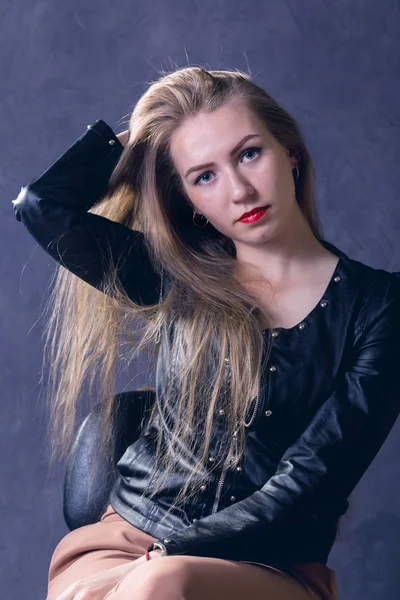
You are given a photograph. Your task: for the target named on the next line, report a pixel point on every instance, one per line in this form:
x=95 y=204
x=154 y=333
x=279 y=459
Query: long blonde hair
x=213 y=316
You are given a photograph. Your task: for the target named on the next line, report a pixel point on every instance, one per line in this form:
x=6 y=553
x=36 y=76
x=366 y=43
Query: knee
x=170 y=576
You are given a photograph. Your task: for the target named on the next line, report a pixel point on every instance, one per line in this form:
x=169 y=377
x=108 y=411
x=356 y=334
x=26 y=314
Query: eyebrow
x=235 y=149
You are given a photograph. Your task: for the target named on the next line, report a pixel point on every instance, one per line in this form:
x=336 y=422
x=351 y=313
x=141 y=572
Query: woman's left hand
x=99 y=584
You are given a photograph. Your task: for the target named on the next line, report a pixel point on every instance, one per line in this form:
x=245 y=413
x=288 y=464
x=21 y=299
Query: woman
x=276 y=379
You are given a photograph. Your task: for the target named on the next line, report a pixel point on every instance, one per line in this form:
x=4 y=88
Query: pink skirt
x=113 y=541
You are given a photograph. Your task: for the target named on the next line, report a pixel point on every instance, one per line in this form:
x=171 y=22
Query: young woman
x=276 y=381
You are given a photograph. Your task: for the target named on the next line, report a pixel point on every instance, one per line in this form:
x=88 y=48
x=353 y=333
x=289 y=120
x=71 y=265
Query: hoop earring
x=298 y=173
x=199 y=226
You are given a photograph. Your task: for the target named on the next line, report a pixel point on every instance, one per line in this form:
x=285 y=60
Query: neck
x=283 y=258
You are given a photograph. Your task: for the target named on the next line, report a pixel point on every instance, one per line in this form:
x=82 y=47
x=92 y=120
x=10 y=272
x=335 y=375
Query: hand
x=124 y=137
x=99 y=584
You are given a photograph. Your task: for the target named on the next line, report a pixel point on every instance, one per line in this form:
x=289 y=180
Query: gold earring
x=199 y=226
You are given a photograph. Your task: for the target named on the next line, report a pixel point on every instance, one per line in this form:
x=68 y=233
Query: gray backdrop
x=334 y=65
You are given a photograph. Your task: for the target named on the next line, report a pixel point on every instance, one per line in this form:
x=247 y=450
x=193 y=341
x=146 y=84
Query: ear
x=294 y=155
x=188 y=201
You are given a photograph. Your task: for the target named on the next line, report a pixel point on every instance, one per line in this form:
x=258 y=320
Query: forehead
x=205 y=136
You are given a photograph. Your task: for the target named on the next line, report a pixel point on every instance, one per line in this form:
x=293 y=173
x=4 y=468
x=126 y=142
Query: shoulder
x=368 y=294
x=380 y=298
x=382 y=287
x=371 y=282
x=374 y=294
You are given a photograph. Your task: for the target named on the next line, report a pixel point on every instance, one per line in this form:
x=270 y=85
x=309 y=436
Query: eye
x=252 y=149
x=258 y=150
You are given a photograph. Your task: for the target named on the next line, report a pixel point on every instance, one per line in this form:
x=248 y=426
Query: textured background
x=334 y=65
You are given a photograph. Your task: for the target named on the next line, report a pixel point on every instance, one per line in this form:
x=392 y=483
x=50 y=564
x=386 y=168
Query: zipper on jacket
x=221 y=481
x=219 y=490
x=253 y=416
x=158 y=334
x=223 y=474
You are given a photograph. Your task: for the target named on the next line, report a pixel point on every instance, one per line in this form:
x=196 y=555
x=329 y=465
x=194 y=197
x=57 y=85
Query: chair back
x=84 y=504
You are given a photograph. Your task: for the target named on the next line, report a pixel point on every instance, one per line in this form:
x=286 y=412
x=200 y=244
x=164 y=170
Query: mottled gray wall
x=334 y=65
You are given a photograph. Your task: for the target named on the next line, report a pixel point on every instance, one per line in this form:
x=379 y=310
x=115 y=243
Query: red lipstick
x=253 y=215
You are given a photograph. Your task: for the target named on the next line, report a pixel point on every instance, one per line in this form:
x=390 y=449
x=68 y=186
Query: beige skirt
x=113 y=541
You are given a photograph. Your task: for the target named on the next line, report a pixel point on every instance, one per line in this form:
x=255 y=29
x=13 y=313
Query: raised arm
x=53 y=208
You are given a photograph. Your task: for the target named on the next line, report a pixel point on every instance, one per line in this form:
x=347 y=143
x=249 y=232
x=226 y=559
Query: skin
x=237 y=184
x=123 y=137
x=281 y=245
x=99 y=584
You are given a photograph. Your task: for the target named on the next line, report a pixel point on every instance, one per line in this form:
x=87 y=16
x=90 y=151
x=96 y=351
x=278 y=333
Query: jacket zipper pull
x=235 y=445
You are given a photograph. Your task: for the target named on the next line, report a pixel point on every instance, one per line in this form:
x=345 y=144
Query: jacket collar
x=332 y=248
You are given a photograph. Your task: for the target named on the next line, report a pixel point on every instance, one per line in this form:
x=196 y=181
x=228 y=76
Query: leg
x=94 y=548
x=200 y=578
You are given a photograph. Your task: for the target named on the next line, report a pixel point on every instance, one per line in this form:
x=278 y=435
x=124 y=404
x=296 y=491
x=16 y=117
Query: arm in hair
x=328 y=459
x=53 y=208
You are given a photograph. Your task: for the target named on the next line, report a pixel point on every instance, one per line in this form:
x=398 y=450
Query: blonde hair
x=211 y=313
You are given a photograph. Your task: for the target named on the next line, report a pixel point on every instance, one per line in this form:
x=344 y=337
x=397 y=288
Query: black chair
x=84 y=505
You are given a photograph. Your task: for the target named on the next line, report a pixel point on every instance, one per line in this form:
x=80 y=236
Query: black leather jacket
x=326 y=404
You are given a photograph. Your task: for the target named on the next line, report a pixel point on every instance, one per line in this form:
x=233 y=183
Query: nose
x=241 y=188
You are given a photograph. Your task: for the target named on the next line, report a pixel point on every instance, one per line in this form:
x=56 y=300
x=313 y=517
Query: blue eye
x=200 y=177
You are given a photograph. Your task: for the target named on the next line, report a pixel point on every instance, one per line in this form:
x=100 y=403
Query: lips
x=252 y=212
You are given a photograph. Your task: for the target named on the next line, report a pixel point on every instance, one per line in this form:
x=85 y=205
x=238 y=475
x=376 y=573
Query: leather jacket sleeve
x=53 y=207
x=331 y=455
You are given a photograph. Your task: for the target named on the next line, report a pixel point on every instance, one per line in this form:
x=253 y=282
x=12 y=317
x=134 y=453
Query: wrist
x=159 y=546
x=123 y=137
x=154 y=554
